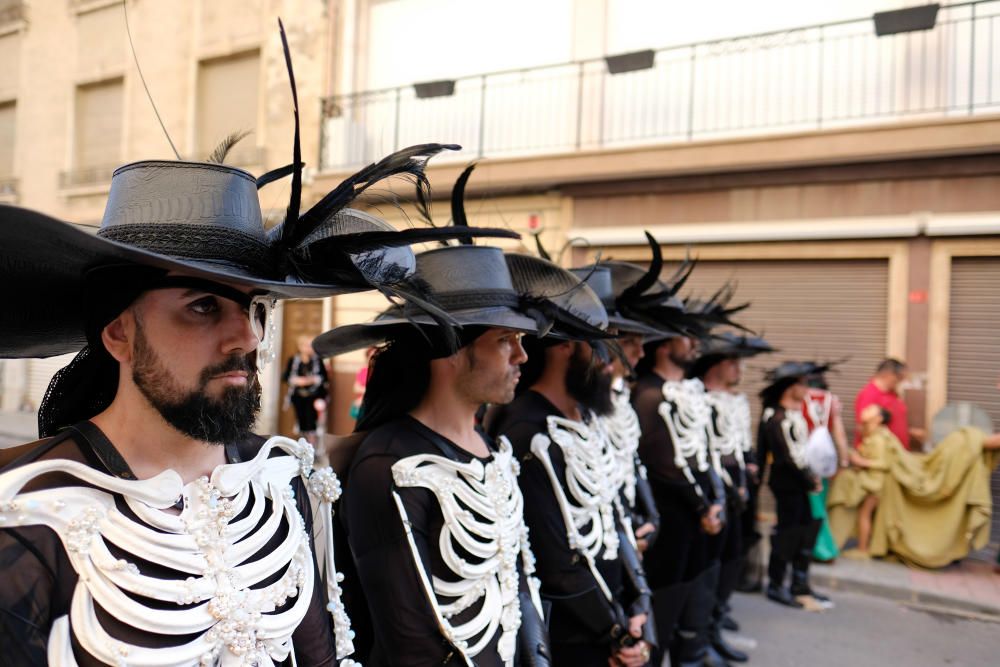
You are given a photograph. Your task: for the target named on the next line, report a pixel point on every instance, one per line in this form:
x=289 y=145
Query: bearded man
x=589 y=569
x=432 y=510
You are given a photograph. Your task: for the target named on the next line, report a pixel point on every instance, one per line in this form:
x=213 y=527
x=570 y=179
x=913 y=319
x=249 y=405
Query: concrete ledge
x=970 y=587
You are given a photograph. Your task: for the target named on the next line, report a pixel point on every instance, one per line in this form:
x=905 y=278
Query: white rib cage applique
x=483 y=518
x=236 y=624
x=622 y=428
x=687 y=416
x=725 y=437
x=588 y=502
x=796 y=431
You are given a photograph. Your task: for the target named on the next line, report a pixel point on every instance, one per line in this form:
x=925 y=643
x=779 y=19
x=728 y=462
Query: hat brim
x=44 y=260
x=624 y=325
x=351 y=337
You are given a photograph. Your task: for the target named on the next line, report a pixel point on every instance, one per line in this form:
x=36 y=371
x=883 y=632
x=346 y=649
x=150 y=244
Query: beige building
x=73 y=107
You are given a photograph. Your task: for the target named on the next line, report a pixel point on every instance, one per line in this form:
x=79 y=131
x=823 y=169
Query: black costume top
x=42 y=581
x=781 y=439
x=441 y=550
x=589 y=571
x=681 y=475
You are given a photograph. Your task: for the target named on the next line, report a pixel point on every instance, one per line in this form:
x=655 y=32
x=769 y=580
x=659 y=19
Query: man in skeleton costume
x=719 y=367
x=432 y=509
x=610 y=281
x=589 y=568
x=781 y=443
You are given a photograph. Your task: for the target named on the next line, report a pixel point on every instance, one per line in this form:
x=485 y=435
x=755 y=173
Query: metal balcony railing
x=11 y=11
x=86 y=176
x=804 y=79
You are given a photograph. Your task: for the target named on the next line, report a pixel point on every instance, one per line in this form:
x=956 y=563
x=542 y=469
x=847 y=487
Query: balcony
x=86 y=177
x=808 y=79
x=12 y=11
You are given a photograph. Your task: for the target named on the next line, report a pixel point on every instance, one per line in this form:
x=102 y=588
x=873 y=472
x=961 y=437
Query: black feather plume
x=651 y=276
x=409 y=161
x=276 y=174
x=290 y=228
x=542 y=252
x=458 y=218
x=218 y=156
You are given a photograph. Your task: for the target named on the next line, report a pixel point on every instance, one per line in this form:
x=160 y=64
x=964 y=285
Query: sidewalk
x=970 y=586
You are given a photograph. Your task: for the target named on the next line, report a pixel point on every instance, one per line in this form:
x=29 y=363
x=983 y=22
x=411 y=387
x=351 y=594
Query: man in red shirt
x=881 y=390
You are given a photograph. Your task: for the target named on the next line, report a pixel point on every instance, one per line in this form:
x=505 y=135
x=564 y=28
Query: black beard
x=681 y=362
x=194 y=413
x=587 y=384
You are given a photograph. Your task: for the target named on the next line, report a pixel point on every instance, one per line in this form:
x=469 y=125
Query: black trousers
x=793 y=535
x=305 y=413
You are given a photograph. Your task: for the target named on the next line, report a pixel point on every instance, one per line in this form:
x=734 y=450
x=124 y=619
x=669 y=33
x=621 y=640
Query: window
x=98 y=132
x=7 y=117
x=227 y=103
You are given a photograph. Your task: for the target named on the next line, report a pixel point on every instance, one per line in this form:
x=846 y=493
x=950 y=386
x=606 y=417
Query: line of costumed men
x=582 y=520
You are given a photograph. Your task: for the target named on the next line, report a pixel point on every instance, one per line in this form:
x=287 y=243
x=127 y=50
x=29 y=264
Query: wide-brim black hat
x=565 y=307
x=727 y=345
x=785 y=375
x=599 y=279
x=197 y=219
x=457 y=286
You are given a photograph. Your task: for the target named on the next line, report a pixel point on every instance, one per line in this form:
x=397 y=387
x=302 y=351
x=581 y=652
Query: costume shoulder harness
x=483 y=517
x=233 y=622
x=587 y=501
x=688 y=416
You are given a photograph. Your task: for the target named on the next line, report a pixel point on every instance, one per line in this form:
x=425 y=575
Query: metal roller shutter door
x=973 y=349
x=809 y=310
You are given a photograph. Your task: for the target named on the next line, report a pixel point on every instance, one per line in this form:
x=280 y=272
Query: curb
x=901 y=594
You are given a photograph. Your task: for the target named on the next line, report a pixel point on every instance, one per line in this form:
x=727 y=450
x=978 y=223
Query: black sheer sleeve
x=785 y=472
x=28 y=597
x=566 y=578
x=405 y=626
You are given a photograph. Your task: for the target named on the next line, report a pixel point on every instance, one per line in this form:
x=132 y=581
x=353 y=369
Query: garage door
x=973 y=348
x=810 y=310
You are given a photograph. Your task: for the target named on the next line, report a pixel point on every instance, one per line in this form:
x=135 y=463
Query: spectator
x=307 y=387
x=883 y=390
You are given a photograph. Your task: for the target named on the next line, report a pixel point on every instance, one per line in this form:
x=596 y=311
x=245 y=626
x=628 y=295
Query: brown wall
x=799 y=201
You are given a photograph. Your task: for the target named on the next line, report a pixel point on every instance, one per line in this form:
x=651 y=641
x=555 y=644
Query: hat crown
x=464 y=268
x=188 y=210
x=163 y=192
x=598 y=278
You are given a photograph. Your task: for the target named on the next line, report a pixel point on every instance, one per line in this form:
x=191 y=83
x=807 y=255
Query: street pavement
x=864 y=631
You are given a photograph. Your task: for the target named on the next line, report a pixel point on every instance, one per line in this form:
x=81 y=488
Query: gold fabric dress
x=935 y=508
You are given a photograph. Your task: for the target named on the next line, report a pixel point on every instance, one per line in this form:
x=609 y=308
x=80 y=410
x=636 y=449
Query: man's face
x=894 y=380
x=588 y=379
x=631 y=345
x=683 y=350
x=490 y=366
x=194 y=360
x=732 y=371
